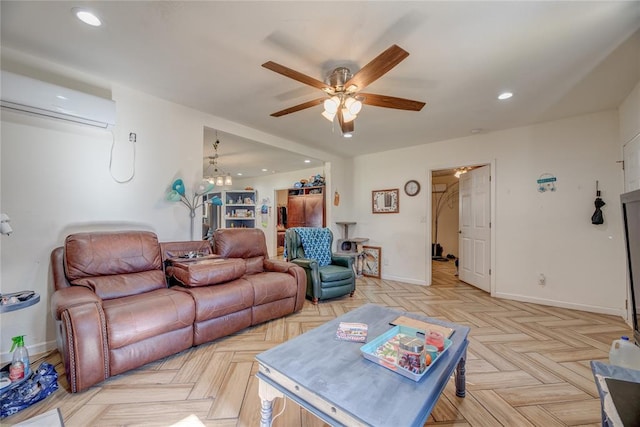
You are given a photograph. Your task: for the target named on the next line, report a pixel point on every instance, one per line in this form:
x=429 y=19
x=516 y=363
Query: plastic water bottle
x=624 y=353
x=20 y=364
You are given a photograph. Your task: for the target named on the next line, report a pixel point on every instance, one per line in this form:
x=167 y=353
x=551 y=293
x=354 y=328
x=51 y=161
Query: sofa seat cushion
x=220 y=300
x=332 y=273
x=207 y=272
x=272 y=286
x=138 y=317
x=122 y=285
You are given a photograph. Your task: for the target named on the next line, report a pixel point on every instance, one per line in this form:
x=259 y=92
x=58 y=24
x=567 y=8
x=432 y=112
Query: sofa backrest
x=114 y=264
x=247 y=243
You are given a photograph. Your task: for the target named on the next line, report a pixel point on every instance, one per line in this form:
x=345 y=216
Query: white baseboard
x=563 y=304
x=404 y=280
x=34 y=350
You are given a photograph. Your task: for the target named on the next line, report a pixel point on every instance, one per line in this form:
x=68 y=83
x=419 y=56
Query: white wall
x=629 y=113
x=548 y=233
x=55 y=180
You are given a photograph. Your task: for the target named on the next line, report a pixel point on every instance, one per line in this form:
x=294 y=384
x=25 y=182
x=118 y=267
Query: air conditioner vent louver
x=28 y=95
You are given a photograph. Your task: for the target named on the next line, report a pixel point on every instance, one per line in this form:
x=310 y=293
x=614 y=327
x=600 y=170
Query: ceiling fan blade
x=379 y=66
x=345 y=127
x=299 y=107
x=390 y=102
x=295 y=75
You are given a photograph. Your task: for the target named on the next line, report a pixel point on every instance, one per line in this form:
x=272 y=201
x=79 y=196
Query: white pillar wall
x=549 y=233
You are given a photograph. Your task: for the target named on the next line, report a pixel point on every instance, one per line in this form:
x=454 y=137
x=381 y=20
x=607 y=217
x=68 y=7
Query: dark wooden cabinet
x=306 y=207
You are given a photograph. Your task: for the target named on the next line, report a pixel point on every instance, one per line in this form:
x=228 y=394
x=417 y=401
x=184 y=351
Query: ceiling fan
x=342 y=88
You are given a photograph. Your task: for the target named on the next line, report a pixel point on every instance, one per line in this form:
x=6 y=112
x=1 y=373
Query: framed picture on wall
x=371 y=262
x=385 y=201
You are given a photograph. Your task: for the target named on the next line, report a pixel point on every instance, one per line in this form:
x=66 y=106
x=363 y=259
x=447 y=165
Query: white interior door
x=631 y=157
x=475 y=228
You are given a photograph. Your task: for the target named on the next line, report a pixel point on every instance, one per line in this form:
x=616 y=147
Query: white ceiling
x=559 y=58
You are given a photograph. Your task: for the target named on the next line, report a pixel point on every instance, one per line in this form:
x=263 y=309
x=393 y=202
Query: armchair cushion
x=333 y=273
x=316 y=243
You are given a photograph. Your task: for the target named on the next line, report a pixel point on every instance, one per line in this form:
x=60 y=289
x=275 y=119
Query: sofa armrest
x=82 y=336
x=294 y=270
x=306 y=263
x=277 y=265
x=72 y=296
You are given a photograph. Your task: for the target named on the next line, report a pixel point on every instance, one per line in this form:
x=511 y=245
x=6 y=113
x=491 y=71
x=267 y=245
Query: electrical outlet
x=542 y=280
x=132 y=137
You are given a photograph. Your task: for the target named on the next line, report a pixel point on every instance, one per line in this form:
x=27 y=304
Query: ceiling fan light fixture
x=353 y=105
x=331 y=105
x=347 y=116
x=328 y=116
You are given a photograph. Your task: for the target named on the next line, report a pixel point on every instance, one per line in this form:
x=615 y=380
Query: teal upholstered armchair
x=328 y=275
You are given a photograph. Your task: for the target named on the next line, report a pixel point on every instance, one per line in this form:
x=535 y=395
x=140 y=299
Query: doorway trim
x=494 y=225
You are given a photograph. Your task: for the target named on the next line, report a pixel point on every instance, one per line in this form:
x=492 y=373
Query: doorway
x=461 y=233
x=281 y=220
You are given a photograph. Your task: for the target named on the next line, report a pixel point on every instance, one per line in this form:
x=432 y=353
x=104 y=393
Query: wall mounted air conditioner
x=28 y=95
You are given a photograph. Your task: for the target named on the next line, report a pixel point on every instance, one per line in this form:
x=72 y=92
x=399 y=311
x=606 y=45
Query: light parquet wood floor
x=528 y=365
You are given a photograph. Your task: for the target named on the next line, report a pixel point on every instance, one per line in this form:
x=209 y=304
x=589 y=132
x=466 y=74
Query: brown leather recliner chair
x=113 y=309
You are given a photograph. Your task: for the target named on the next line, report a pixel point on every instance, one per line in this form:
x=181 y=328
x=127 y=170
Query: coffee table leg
x=267 y=394
x=460 y=376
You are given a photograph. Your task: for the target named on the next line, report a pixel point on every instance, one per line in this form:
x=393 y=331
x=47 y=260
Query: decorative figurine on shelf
x=317 y=181
x=178 y=194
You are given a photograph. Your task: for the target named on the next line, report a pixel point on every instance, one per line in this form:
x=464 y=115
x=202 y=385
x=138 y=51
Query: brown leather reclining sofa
x=117 y=308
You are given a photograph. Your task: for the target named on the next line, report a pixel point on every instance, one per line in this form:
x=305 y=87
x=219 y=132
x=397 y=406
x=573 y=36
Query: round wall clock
x=412 y=187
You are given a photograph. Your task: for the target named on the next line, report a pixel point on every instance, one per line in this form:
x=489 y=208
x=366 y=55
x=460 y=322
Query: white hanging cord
x=133 y=166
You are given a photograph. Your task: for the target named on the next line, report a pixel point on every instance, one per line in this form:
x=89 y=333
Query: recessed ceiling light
x=307 y=161
x=87 y=17
x=476 y=130
x=347 y=135
x=505 y=95
x=239 y=174
x=264 y=169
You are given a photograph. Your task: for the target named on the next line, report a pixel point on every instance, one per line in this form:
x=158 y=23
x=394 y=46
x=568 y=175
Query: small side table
x=5 y=308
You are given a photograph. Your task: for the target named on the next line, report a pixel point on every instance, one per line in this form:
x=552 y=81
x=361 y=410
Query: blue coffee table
x=331 y=379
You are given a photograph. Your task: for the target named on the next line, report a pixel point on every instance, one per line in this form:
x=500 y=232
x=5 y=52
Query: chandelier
x=219 y=177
